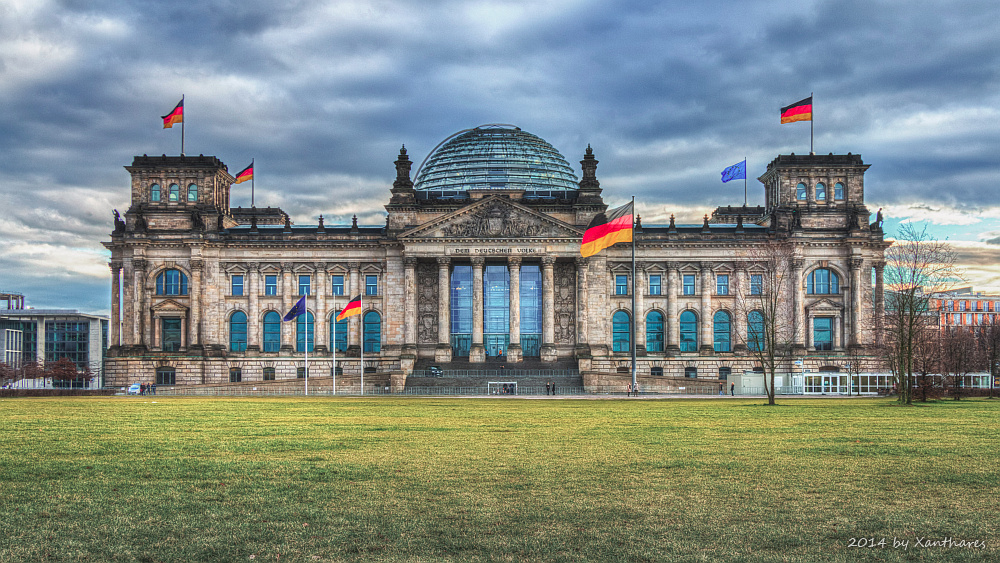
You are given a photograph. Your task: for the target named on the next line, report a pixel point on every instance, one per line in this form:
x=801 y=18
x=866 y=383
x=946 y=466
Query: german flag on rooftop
x=801 y=110
x=175 y=116
x=607 y=229
x=245 y=175
x=351 y=309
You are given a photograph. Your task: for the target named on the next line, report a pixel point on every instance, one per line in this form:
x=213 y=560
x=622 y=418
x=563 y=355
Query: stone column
x=879 y=313
x=514 y=352
x=194 y=322
x=354 y=322
x=638 y=316
x=287 y=328
x=837 y=324
x=410 y=303
x=116 y=270
x=548 y=309
x=129 y=330
x=140 y=318
x=673 y=330
x=742 y=303
x=477 y=353
x=798 y=320
x=582 y=302
x=810 y=323
x=707 y=287
x=442 y=352
x=253 y=312
x=853 y=319
x=321 y=326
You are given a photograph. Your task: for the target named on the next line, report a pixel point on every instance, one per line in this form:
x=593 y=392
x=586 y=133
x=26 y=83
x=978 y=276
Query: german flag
x=351 y=309
x=175 y=116
x=246 y=174
x=608 y=229
x=801 y=110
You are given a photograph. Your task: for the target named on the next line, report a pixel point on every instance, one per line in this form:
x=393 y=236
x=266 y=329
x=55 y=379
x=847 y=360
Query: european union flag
x=737 y=171
x=297 y=309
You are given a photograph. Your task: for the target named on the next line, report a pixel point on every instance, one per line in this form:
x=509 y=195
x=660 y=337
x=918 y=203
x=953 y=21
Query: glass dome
x=495 y=157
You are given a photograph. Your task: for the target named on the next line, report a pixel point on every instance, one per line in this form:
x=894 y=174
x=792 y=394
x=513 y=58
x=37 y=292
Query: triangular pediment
x=494 y=218
x=169 y=305
x=824 y=305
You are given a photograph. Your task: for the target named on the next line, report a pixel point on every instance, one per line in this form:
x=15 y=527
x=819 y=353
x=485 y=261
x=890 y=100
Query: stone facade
x=188 y=270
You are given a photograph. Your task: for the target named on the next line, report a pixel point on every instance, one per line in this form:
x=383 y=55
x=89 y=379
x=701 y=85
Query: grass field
x=413 y=479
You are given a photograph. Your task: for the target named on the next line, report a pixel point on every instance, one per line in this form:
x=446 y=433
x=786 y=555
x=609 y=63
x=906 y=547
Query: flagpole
x=251 y=181
x=183 y=120
x=635 y=288
x=306 y=313
x=744 y=182
x=334 y=373
x=812 y=119
x=361 y=302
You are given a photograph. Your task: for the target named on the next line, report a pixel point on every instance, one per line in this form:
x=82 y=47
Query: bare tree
x=764 y=302
x=989 y=341
x=958 y=358
x=917 y=270
x=8 y=374
x=927 y=361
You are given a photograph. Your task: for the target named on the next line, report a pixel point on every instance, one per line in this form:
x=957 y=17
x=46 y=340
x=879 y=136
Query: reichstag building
x=478 y=265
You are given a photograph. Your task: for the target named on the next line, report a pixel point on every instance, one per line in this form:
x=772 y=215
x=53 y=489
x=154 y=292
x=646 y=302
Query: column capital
x=286 y=267
x=855 y=263
x=320 y=266
x=196 y=264
x=444 y=260
x=253 y=267
x=354 y=265
x=115 y=265
x=410 y=261
x=797 y=263
x=879 y=266
x=139 y=263
x=706 y=266
x=582 y=261
x=548 y=261
x=477 y=260
x=673 y=266
x=514 y=261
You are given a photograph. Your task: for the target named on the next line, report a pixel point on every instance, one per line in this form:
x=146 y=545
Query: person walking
x=732 y=389
x=547 y=387
x=722 y=389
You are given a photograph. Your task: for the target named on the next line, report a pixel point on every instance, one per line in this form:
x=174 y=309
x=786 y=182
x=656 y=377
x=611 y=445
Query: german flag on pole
x=801 y=110
x=175 y=116
x=607 y=229
x=351 y=309
x=246 y=174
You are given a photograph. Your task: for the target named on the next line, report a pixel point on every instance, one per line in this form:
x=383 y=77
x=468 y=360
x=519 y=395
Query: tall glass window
x=800 y=192
x=621 y=329
x=373 y=332
x=654 y=332
x=654 y=284
x=371 y=285
x=531 y=310
x=722 y=284
x=268 y=374
x=821 y=191
x=621 y=285
x=192 y=192
x=166 y=376
x=304 y=285
x=722 y=324
x=755 y=331
x=235 y=375
x=237 y=285
x=338 y=334
x=689 y=331
x=688 y=284
x=337 y=285
x=822 y=281
x=838 y=191
x=302 y=324
x=238 y=332
x=154 y=192
x=170 y=335
x=270 y=284
x=175 y=192
x=68 y=339
x=272 y=332
x=171 y=282
x=756 y=284
x=496 y=309
x=461 y=310
x=823 y=333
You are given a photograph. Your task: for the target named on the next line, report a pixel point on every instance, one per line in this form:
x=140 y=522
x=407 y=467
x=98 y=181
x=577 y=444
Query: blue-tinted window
x=371 y=285
x=170 y=335
x=338 y=334
x=337 y=285
x=722 y=284
x=272 y=332
x=154 y=192
x=820 y=191
x=270 y=285
x=654 y=284
x=800 y=192
x=238 y=332
x=531 y=310
x=461 y=310
x=654 y=332
x=237 y=284
x=192 y=192
x=496 y=299
x=305 y=283
x=303 y=325
x=756 y=284
x=688 y=284
x=171 y=282
x=838 y=191
x=175 y=192
x=721 y=332
x=621 y=285
x=67 y=339
x=822 y=282
x=373 y=332
x=823 y=333
x=689 y=332
x=755 y=332
x=621 y=329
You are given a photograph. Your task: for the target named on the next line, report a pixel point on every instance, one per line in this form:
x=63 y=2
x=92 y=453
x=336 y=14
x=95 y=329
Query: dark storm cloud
x=323 y=94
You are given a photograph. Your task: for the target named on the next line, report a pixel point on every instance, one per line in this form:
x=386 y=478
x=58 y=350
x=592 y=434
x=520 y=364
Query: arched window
x=654 y=332
x=689 y=331
x=238 y=332
x=373 y=332
x=820 y=191
x=338 y=334
x=800 y=192
x=171 y=282
x=838 y=191
x=303 y=326
x=272 y=332
x=721 y=326
x=154 y=192
x=621 y=329
x=822 y=281
x=192 y=192
x=755 y=331
x=175 y=192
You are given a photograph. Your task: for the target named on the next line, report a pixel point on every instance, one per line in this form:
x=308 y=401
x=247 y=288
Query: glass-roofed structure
x=495 y=157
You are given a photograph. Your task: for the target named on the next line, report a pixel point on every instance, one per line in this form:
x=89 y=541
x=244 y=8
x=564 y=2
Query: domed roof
x=495 y=157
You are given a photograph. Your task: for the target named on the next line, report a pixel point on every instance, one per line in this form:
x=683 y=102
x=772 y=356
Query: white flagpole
x=334 y=373
x=306 y=343
x=361 y=301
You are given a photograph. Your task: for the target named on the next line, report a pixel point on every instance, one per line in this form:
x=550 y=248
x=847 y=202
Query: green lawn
x=414 y=479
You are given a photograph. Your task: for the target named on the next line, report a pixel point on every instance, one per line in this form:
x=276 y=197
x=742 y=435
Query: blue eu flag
x=297 y=309
x=737 y=171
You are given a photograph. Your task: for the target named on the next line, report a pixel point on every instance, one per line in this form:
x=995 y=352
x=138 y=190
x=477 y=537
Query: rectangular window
x=271 y=285
x=688 y=284
x=823 y=333
x=371 y=285
x=268 y=374
x=655 y=371
x=621 y=285
x=304 y=283
x=756 y=284
x=722 y=284
x=235 y=375
x=654 y=285
x=166 y=376
x=337 y=285
x=300 y=373
x=170 y=335
x=961 y=305
x=237 y=285
x=691 y=372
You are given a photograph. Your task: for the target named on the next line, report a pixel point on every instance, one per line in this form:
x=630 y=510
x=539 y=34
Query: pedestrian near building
x=732 y=389
x=547 y=385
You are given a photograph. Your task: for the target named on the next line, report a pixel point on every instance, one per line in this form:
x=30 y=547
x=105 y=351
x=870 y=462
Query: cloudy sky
x=323 y=93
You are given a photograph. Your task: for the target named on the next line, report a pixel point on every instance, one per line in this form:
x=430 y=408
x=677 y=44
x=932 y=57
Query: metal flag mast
x=634 y=289
x=812 y=119
x=744 y=181
x=251 y=181
x=306 y=343
x=361 y=302
x=183 y=120
x=333 y=374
